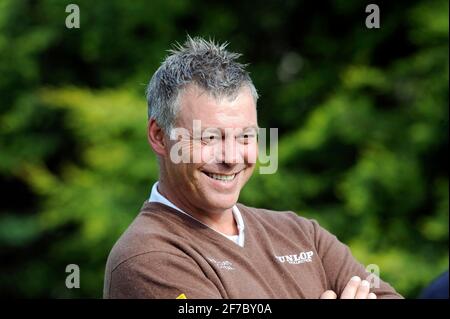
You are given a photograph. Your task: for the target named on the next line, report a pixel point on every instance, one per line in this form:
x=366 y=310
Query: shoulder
x=283 y=220
x=153 y=232
x=273 y=215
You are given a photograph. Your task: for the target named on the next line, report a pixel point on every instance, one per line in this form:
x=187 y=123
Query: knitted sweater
x=165 y=253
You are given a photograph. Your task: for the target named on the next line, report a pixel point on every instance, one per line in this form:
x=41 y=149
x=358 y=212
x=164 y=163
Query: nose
x=230 y=153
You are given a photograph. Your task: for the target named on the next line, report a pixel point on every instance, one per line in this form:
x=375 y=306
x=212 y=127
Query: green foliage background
x=362 y=117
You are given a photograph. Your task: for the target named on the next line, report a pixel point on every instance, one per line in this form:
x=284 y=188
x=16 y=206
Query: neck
x=221 y=221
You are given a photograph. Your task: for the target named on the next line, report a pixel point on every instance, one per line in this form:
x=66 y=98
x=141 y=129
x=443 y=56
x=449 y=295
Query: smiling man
x=192 y=239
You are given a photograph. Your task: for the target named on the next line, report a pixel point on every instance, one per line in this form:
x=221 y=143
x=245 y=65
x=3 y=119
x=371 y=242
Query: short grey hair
x=202 y=62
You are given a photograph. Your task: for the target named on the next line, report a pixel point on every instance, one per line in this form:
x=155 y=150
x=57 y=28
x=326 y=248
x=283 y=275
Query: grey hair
x=204 y=63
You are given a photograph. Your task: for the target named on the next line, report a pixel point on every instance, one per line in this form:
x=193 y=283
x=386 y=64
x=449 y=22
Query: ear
x=155 y=136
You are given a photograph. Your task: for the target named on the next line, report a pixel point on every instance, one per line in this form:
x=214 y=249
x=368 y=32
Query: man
x=192 y=239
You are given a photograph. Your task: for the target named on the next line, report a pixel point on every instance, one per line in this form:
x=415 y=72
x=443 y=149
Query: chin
x=222 y=201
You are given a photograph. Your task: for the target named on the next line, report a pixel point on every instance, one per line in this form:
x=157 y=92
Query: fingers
x=360 y=292
x=363 y=290
x=329 y=294
x=357 y=289
x=351 y=289
x=372 y=296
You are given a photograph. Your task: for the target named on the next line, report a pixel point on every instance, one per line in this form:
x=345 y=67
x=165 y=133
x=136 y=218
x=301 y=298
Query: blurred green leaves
x=362 y=116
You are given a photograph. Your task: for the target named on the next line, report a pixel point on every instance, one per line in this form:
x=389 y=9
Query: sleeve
x=160 y=275
x=340 y=265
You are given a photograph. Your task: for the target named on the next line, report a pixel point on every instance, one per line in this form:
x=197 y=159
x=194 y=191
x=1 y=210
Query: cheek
x=188 y=176
x=199 y=153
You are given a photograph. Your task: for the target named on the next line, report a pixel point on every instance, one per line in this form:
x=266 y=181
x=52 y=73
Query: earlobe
x=155 y=136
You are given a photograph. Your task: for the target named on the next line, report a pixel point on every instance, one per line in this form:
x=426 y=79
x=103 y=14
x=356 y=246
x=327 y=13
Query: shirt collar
x=156 y=196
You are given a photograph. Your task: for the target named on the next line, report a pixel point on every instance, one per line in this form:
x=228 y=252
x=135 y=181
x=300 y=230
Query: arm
x=160 y=275
x=340 y=266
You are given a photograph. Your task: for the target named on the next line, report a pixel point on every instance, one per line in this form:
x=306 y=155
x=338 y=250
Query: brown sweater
x=165 y=253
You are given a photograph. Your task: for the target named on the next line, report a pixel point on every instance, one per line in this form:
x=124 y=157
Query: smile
x=220 y=177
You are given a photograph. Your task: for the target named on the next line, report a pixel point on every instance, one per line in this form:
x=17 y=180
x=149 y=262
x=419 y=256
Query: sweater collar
x=156 y=196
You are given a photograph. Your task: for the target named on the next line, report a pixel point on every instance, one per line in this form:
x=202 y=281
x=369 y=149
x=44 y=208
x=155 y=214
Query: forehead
x=237 y=111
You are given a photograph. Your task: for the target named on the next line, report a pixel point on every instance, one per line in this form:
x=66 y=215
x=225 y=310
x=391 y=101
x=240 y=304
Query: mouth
x=224 y=178
x=221 y=177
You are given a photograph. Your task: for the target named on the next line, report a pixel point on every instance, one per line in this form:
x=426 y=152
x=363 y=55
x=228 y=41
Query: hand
x=355 y=289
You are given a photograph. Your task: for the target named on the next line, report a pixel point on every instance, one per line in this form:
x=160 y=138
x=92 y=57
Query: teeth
x=219 y=177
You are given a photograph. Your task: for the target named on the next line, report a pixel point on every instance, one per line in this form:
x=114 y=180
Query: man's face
x=220 y=142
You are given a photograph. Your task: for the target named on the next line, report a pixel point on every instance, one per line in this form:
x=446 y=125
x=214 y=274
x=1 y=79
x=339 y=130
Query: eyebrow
x=255 y=127
x=222 y=130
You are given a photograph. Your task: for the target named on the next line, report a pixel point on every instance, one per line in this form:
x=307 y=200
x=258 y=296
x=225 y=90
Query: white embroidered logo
x=303 y=257
x=227 y=265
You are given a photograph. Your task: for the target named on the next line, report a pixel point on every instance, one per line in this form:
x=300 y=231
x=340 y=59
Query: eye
x=246 y=138
x=210 y=138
